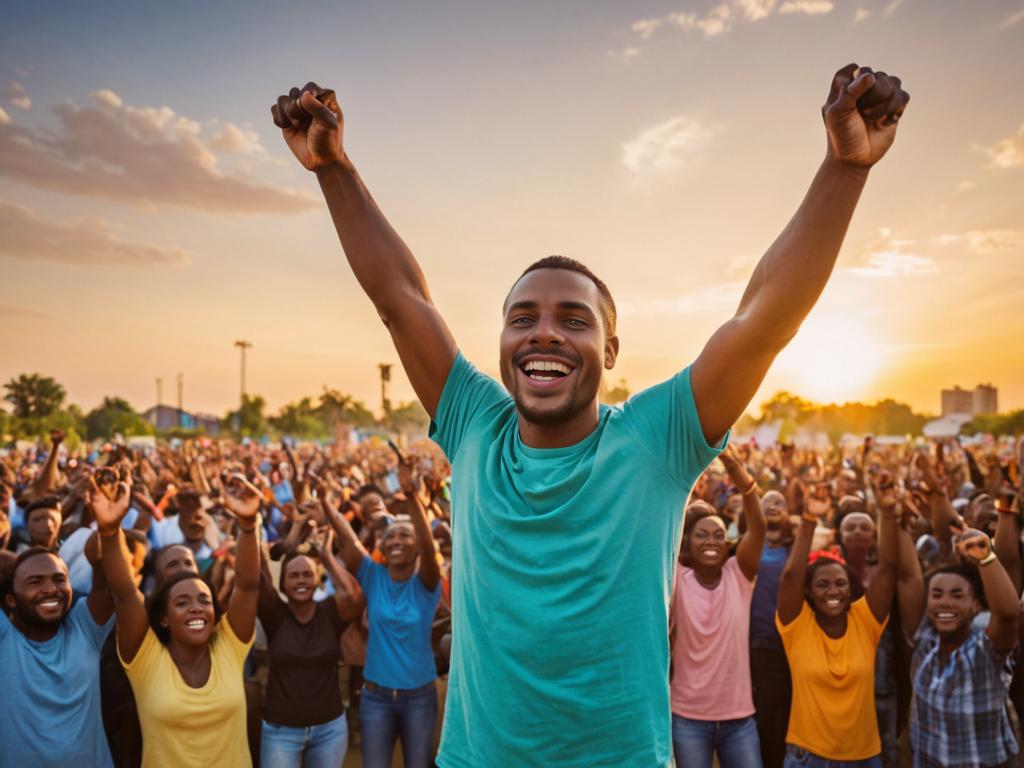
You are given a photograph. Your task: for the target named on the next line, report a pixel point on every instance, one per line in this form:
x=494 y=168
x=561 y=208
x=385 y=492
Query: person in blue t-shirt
x=50 y=653
x=399 y=696
x=566 y=514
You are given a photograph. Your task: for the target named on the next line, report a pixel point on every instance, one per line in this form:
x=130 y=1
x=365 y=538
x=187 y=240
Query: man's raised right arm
x=313 y=126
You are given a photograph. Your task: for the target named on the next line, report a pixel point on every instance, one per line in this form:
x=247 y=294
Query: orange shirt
x=833 y=710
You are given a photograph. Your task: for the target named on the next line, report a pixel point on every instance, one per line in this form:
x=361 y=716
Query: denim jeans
x=409 y=715
x=316 y=746
x=796 y=757
x=695 y=741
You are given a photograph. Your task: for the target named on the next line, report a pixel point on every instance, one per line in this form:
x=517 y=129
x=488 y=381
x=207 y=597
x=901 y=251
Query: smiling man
x=561 y=580
x=50 y=656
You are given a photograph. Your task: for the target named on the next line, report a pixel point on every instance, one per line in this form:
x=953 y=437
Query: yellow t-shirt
x=192 y=726
x=833 y=710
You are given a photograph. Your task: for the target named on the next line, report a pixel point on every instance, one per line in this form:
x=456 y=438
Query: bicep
x=132 y=624
x=727 y=374
x=880 y=592
x=425 y=346
x=241 y=612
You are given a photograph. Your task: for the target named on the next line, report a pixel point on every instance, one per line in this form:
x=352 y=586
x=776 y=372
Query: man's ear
x=611 y=352
x=9 y=600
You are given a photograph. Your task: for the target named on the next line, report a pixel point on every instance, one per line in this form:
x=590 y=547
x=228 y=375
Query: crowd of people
x=217 y=603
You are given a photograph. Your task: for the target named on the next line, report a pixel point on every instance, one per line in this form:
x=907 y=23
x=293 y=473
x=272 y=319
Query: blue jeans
x=736 y=742
x=316 y=746
x=406 y=714
x=797 y=757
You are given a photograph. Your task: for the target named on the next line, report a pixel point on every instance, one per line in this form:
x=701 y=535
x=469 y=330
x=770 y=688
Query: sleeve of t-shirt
x=146 y=658
x=467 y=395
x=744 y=585
x=95 y=633
x=861 y=611
x=238 y=648
x=790 y=632
x=666 y=421
x=365 y=574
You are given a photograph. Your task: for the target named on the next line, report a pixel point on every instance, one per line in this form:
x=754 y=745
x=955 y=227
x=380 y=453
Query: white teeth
x=710 y=552
x=832 y=603
x=50 y=603
x=196 y=624
x=945 y=615
x=547 y=365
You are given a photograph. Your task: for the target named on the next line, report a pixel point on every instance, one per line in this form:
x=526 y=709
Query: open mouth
x=709 y=552
x=945 y=616
x=546 y=373
x=833 y=603
x=302 y=590
x=196 y=625
x=396 y=551
x=50 y=604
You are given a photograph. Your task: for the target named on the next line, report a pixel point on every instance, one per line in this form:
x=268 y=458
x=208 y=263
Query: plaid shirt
x=958 y=718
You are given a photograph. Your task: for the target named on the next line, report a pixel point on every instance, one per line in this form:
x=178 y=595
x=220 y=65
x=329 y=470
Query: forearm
x=793 y=272
x=352 y=550
x=430 y=572
x=909 y=583
x=380 y=260
x=1006 y=545
x=50 y=476
x=117 y=565
x=791 y=583
x=247 y=556
x=1000 y=593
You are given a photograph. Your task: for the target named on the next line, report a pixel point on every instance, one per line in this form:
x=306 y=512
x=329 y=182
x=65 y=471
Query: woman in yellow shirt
x=830 y=642
x=183 y=660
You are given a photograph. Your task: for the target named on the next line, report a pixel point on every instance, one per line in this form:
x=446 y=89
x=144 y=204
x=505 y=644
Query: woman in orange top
x=830 y=642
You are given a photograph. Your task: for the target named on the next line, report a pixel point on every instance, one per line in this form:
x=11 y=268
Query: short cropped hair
x=45 y=502
x=608 y=312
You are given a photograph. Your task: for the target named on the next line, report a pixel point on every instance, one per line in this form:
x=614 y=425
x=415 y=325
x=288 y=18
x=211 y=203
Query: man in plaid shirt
x=961 y=673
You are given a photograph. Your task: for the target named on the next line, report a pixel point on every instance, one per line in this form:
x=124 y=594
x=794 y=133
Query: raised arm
x=243 y=501
x=880 y=592
x=1004 y=621
x=382 y=263
x=129 y=605
x=352 y=549
x=792 y=274
x=748 y=553
x=50 y=476
x=348 y=595
x=430 y=571
x=791 y=584
x=909 y=580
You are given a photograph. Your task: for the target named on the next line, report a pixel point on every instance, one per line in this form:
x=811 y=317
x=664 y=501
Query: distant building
x=986 y=400
x=982 y=399
x=165 y=417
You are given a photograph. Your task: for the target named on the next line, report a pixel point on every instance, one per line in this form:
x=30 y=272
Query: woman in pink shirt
x=712 y=702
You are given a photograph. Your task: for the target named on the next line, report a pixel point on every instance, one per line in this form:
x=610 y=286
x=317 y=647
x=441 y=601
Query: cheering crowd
x=222 y=604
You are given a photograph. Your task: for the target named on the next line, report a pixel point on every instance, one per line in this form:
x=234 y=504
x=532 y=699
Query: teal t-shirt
x=562 y=569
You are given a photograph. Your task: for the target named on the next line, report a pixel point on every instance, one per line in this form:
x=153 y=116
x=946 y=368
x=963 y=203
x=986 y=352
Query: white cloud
x=233 y=139
x=17 y=95
x=720 y=18
x=984 y=242
x=645 y=27
x=710 y=298
x=808 y=7
x=667 y=146
x=1013 y=19
x=861 y=14
x=4 y=117
x=1007 y=153
x=145 y=156
x=28 y=236
x=894 y=263
x=891 y=8
x=626 y=54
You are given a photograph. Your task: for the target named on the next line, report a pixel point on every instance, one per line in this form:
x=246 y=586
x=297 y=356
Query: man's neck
x=36 y=632
x=561 y=434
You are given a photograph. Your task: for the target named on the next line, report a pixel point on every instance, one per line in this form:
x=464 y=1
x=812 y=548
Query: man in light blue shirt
x=50 y=655
x=566 y=514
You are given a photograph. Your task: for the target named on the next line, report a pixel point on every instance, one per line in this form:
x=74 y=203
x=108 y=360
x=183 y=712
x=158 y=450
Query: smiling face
x=300 y=579
x=554 y=347
x=190 y=616
x=776 y=515
x=41 y=593
x=708 y=546
x=829 y=590
x=192 y=521
x=951 y=603
x=399 y=544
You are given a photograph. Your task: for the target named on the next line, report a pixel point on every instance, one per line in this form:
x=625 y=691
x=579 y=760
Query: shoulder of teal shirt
x=468 y=396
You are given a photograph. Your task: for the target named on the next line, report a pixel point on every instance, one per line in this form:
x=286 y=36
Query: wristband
x=989 y=558
x=243 y=529
x=750 y=488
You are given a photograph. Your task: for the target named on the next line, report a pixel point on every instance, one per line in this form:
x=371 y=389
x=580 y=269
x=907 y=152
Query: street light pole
x=243 y=345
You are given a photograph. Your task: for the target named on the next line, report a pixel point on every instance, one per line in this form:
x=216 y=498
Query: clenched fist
x=861 y=114
x=312 y=124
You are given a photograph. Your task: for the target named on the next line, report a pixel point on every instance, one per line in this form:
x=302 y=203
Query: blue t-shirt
x=51 y=702
x=398 y=652
x=763 y=632
x=562 y=570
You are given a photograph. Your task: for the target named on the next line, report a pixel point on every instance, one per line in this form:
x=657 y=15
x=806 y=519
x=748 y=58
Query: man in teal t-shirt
x=565 y=513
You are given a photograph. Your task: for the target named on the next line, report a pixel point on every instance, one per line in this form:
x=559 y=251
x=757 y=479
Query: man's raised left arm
x=793 y=272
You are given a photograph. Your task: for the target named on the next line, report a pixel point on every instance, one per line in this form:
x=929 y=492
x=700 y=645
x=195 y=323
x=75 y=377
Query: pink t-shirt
x=711 y=650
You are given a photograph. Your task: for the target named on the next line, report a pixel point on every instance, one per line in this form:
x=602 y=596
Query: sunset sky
x=150 y=214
